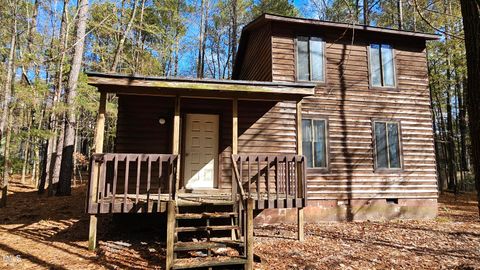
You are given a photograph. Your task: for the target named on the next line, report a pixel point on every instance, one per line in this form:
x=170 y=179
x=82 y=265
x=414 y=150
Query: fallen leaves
x=52 y=233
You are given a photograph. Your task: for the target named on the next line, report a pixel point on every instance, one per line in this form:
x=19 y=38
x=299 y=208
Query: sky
x=188 y=58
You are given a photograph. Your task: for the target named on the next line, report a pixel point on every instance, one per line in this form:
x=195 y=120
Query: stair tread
x=185 y=246
x=206 y=228
x=201 y=202
x=225 y=240
x=207 y=262
x=205 y=215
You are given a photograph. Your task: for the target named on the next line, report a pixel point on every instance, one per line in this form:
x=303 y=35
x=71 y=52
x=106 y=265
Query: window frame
x=324 y=58
x=327 y=144
x=400 y=146
x=369 y=61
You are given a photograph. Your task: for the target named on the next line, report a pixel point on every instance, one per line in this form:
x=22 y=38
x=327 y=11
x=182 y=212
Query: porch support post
x=235 y=126
x=249 y=236
x=300 y=217
x=171 y=211
x=234 y=152
x=98 y=148
x=176 y=141
x=234 y=142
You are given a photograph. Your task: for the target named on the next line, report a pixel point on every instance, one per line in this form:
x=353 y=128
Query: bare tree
x=65 y=179
x=400 y=14
x=121 y=43
x=8 y=89
x=202 y=34
x=53 y=153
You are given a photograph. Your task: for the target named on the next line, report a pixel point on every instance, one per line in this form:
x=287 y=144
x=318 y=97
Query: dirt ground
x=42 y=232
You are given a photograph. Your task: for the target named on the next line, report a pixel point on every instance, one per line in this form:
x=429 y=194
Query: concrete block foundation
x=354 y=210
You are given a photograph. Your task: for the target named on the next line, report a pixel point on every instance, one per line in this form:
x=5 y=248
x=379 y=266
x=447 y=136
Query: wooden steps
x=189 y=246
x=199 y=202
x=193 y=263
x=206 y=215
x=206 y=236
x=206 y=228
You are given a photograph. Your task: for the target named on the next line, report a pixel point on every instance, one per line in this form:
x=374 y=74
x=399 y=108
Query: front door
x=201 y=151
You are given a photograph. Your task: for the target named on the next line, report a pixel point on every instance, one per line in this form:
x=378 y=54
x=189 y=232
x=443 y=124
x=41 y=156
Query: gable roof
x=268 y=18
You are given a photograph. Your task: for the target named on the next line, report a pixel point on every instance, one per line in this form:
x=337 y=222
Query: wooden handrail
x=142 y=181
x=288 y=175
x=237 y=177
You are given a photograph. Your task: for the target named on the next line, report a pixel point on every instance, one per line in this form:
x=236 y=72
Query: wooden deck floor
x=143 y=203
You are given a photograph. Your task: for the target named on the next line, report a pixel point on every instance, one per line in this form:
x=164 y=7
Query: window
x=382 y=70
x=387 y=145
x=314 y=142
x=310 y=59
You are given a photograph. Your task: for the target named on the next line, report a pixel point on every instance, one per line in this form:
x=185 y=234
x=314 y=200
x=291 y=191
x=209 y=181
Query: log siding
x=351 y=104
x=266 y=127
x=256 y=64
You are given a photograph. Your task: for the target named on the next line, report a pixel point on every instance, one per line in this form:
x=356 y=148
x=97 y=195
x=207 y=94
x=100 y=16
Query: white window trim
x=400 y=152
x=370 y=71
x=324 y=59
x=311 y=119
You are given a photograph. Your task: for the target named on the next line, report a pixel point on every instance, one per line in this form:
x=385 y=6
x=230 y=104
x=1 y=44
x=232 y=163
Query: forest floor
x=51 y=232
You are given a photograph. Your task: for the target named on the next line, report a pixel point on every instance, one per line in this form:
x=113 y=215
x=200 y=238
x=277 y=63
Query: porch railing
x=131 y=182
x=274 y=181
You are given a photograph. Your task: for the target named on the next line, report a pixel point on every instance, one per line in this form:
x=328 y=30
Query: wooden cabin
x=321 y=121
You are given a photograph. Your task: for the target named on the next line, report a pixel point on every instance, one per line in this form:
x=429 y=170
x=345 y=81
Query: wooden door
x=201 y=151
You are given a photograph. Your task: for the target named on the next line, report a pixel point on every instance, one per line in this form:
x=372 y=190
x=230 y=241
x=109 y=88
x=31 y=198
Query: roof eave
x=102 y=80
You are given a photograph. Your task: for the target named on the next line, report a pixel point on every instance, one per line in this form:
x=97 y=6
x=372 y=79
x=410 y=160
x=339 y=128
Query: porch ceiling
x=126 y=84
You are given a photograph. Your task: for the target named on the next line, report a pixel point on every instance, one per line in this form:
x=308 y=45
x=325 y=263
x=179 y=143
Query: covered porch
x=197 y=141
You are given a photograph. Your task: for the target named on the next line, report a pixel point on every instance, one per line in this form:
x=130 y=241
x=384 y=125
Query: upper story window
x=310 y=59
x=387 y=145
x=314 y=142
x=382 y=70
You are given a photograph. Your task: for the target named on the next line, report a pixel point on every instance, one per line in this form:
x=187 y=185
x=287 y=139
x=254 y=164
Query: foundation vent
x=392 y=201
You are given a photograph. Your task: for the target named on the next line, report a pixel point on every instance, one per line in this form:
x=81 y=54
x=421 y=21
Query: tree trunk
x=366 y=17
x=56 y=164
x=8 y=88
x=201 y=43
x=32 y=27
x=6 y=162
x=65 y=179
x=139 y=42
x=36 y=159
x=121 y=43
x=471 y=24
x=26 y=151
x=54 y=145
x=463 y=127
x=443 y=139
x=400 y=14
x=234 y=34
x=452 y=172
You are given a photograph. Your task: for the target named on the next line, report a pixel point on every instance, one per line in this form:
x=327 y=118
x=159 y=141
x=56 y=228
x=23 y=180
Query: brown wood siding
x=350 y=105
x=138 y=129
x=265 y=127
x=257 y=63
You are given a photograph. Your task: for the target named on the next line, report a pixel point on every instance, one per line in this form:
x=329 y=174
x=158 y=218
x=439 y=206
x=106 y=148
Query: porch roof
x=170 y=86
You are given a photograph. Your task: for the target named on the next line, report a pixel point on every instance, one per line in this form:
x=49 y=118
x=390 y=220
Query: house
x=321 y=121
